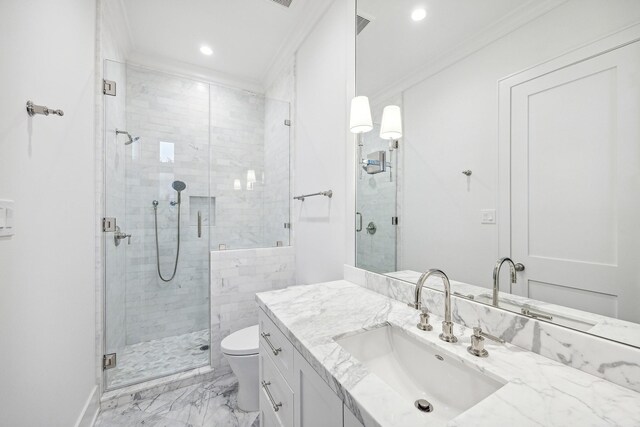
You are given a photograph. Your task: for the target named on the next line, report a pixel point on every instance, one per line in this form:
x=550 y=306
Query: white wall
x=47 y=305
x=451 y=124
x=323 y=150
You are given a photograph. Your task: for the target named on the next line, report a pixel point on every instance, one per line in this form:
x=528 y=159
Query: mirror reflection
x=499 y=142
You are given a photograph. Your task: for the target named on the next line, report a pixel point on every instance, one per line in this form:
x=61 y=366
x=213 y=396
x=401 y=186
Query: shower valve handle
x=119 y=235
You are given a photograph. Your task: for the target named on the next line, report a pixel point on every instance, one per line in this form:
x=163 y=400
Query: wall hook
x=467 y=172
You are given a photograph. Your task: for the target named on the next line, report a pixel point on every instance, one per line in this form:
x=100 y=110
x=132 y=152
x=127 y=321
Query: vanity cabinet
x=292 y=394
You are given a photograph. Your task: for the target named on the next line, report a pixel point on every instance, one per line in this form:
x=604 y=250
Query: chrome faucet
x=496 y=275
x=447 y=324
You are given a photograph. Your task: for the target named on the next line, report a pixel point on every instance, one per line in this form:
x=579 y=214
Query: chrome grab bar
x=275 y=351
x=359 y=227
x=327 y=193
x=265 y=386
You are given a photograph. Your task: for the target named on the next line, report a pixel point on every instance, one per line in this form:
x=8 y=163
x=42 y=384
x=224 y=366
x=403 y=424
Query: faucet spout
x=447 y=325
x=496 y=276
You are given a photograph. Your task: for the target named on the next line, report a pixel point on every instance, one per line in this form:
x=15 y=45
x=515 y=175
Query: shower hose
x=175 y=266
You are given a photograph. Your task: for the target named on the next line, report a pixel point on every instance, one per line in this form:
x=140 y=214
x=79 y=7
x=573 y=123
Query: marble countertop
x=537 y=392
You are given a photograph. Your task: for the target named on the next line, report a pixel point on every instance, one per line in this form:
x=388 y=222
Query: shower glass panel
x=376 y=206
x=155 y=323
x=249 y=170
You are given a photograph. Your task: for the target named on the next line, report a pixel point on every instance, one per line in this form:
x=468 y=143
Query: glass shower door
x=157 y=308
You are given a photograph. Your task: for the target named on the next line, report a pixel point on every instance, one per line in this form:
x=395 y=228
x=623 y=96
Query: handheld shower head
x=179 y=186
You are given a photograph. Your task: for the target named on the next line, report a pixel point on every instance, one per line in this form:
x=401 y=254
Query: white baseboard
x=90 y=410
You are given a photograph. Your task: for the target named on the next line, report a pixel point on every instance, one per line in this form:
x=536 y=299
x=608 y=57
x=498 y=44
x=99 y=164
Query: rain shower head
x=130 y=139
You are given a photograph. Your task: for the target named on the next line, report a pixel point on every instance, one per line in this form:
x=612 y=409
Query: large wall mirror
x=515 y=133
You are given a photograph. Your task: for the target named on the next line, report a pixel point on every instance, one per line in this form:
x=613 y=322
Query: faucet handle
x=424 y=321
x=477 y=342
x=478 y=331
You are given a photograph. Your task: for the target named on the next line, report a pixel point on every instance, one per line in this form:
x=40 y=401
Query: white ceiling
x=393 y=46
x=245 y=35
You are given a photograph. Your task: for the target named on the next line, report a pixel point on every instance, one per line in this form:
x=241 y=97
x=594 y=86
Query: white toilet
x=241 y=350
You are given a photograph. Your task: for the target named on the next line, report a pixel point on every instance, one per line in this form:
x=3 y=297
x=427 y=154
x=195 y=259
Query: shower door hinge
x=394 y=220
x=287 y=225
x=287 y=122
x=108 y=224
x=108 y=361
x=109 y=87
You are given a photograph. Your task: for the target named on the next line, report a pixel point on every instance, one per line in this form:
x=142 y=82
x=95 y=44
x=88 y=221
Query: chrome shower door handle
x=359 y=227
x=199 y=224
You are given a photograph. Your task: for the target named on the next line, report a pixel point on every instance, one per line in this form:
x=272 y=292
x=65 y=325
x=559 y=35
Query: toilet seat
x=244 y=342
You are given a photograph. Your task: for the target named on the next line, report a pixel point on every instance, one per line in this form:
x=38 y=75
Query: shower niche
x=182 y=177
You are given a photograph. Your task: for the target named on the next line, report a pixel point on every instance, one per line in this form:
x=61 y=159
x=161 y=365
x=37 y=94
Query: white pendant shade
x=360 y=121
x=391 y=127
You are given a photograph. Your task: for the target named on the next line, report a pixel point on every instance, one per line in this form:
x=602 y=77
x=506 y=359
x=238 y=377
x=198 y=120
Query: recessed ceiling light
x=419 y=14
x=206 y=50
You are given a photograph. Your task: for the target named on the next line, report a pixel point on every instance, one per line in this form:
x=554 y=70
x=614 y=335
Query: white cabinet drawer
x=277 y=346
x=276 y=397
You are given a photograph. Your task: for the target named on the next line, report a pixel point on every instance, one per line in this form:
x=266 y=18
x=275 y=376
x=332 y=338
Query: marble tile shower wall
x=236 y=277
x=114 y=165
x=171 y=117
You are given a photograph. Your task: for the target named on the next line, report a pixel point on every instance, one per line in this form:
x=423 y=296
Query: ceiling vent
x=285 y=3
x=360 y=23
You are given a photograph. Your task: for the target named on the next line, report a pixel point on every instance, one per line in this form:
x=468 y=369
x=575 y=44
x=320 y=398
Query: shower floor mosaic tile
x=151 y=359
x=206 y=404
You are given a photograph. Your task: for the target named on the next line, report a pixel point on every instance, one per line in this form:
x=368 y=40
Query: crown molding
x=516 y=19
x=194 y=72
x=312 y=12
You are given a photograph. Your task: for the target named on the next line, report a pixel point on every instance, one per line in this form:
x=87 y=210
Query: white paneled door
x=575 y=183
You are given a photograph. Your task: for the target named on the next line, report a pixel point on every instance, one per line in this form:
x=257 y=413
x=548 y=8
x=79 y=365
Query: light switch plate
x=7 y=218
x=488 y=216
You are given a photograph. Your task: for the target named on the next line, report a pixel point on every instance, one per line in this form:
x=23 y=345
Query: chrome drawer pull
x=276 y=406
x=266 y=338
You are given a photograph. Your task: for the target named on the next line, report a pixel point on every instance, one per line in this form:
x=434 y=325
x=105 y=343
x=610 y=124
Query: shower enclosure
x=189 y=167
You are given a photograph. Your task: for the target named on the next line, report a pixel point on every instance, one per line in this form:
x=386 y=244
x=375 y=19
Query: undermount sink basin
x=420 y=371
x=557 y=318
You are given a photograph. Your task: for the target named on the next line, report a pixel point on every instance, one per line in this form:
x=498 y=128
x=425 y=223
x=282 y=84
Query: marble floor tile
x=157 y=358
x=211 y=404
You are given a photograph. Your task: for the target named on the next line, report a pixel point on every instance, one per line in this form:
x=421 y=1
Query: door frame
x=616 y=40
